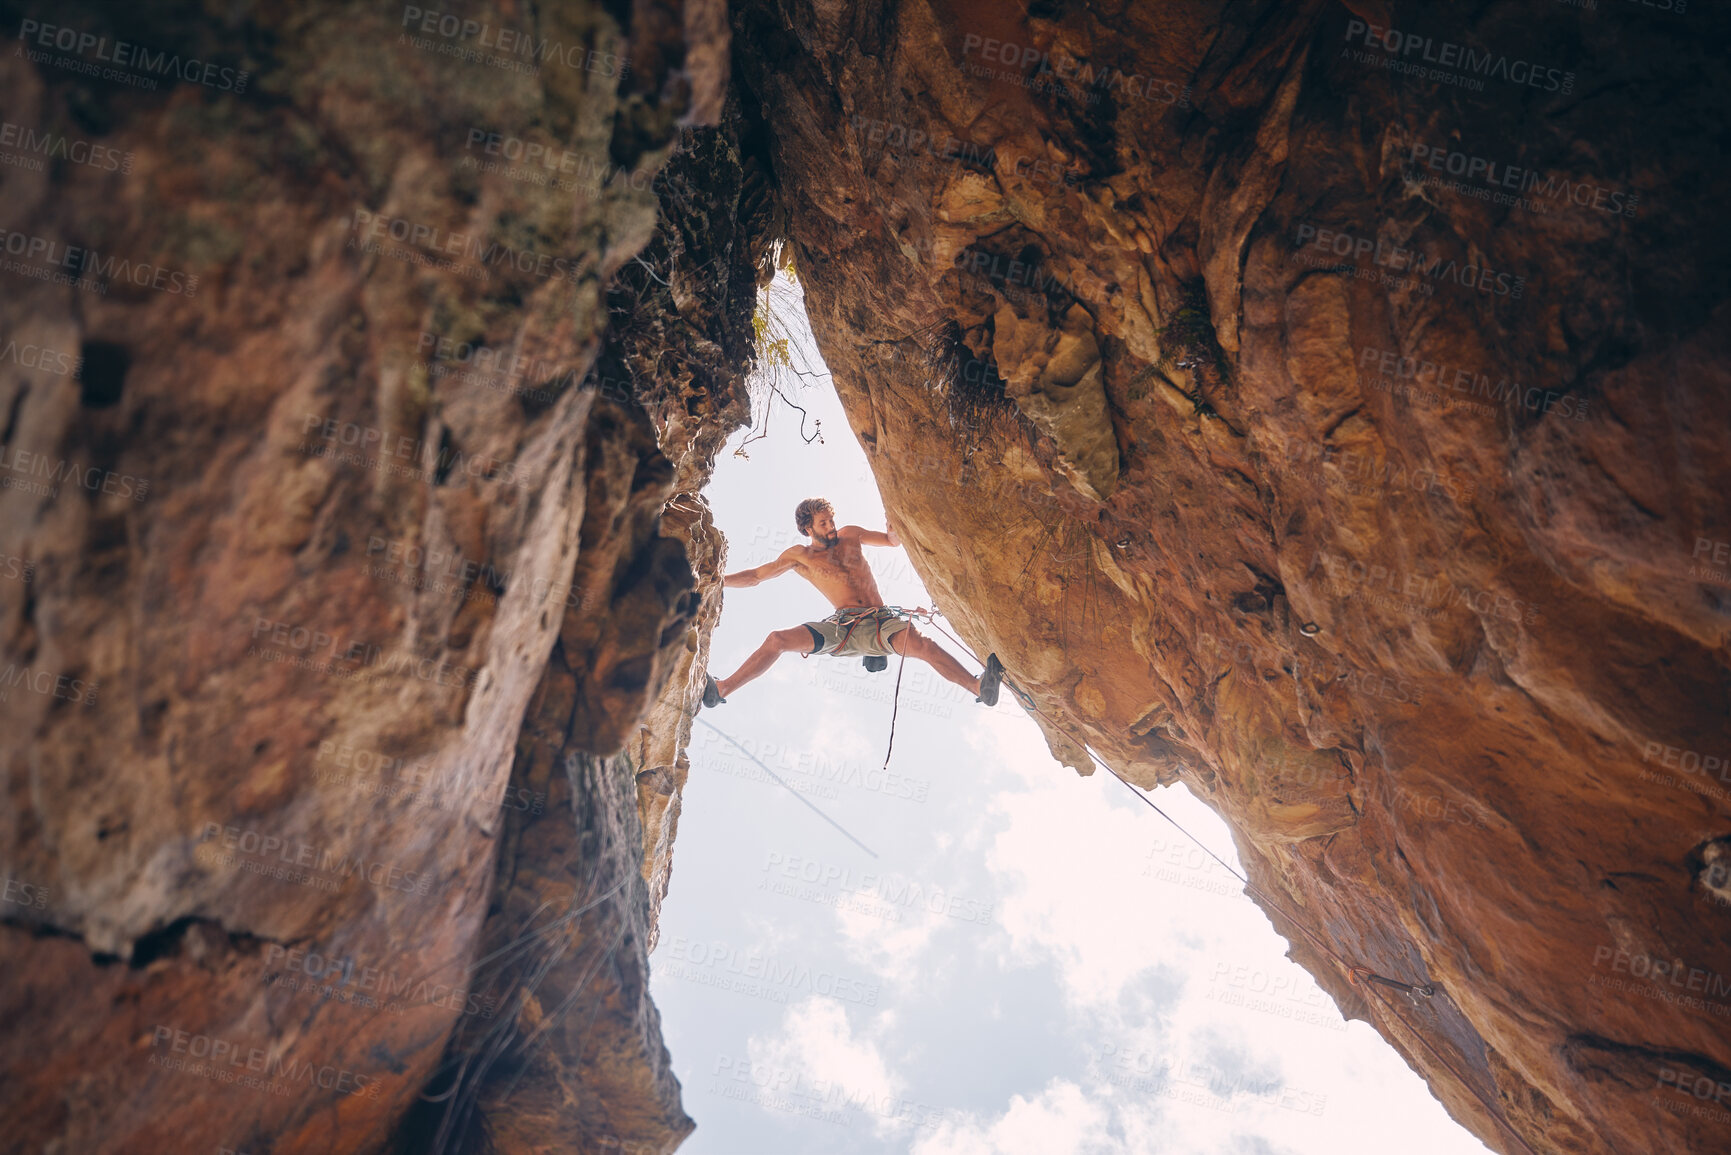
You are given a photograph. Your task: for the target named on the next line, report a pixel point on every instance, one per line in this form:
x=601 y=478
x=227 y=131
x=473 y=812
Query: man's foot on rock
x=994 y=673
x=712 y=692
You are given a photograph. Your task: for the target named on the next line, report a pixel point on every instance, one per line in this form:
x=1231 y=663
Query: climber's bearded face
x=823 y=531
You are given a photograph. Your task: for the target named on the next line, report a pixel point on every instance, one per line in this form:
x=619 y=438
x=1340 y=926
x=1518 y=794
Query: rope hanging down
x=896 y=699
x=895 y=708
x=1359 y=976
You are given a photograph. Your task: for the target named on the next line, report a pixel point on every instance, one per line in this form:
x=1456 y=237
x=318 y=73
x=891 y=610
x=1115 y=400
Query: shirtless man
x=860 y=626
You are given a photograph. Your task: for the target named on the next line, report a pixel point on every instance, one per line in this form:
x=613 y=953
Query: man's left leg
x=795 y=640
x=910 y=642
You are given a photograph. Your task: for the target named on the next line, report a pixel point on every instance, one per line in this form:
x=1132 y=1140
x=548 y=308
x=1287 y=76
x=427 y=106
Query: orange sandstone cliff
x=1212 y=385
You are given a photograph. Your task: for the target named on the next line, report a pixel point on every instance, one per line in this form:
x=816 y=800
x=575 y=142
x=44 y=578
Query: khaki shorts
x=869 y=635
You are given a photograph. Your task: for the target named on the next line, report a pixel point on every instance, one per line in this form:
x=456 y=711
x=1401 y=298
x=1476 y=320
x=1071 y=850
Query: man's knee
x=792 y=640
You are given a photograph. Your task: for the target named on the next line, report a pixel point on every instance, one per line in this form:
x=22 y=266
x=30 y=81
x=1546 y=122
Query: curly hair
x=808 y=509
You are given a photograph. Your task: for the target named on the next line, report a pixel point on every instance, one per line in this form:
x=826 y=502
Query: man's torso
x=841 y=574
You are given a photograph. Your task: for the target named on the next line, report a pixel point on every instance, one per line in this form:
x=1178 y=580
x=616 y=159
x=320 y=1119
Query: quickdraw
x=1358 y=976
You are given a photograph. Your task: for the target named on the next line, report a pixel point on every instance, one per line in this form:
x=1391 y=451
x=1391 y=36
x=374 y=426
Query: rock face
x=355 y=577
x=575 y=917
x=1329 y=417
x=1346 y=441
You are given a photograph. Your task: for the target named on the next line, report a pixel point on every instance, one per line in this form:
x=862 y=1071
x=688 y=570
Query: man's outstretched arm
x=762 y=573
x=871 y=536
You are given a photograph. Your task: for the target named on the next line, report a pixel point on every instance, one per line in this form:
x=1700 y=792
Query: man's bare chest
x=843 y=563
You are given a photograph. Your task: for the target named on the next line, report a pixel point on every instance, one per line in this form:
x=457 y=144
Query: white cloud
x=815 y=1056
x=1070 y=869
x=1060 y=1120
x=894 y=950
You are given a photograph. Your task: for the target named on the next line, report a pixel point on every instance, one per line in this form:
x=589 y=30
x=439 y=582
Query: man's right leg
x=796 y=640
x=912 y=643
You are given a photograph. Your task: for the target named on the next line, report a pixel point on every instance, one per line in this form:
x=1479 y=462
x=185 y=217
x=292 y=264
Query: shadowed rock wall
x=1334 y=420
x=315 y=513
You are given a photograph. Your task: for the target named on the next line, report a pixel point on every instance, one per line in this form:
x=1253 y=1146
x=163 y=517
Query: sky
x=992 y=955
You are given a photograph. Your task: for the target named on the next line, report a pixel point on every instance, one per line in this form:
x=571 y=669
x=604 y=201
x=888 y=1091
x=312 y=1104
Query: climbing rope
x=896 y=700
x=1360 y=976
x=784 y=784
x=895 y=707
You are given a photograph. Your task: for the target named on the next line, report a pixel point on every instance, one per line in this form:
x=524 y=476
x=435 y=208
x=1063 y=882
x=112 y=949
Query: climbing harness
x=853 y=617
x=1360 y=976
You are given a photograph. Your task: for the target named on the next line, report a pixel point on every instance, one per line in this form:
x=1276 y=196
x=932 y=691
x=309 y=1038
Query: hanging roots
x=973 y=390
x=779 y=367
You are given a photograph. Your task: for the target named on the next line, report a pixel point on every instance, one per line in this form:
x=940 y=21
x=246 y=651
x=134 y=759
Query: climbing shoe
x=994 y=673
x=712 y=692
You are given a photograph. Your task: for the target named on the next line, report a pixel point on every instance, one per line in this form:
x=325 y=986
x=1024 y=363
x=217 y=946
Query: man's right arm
x=762 y=573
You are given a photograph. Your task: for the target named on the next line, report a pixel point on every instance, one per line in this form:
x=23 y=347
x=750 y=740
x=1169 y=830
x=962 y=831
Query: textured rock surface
x=581 y=1065
x=369 y=565
x=1448 y=658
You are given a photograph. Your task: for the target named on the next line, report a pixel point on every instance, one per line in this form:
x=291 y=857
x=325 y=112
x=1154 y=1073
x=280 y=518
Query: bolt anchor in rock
x=1361 y=975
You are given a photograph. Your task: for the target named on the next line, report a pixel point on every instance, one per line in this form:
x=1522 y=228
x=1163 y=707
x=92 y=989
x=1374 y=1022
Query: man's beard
x=831 y=541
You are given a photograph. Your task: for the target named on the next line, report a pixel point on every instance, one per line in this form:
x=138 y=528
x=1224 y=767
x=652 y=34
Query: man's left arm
x=871 y=536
